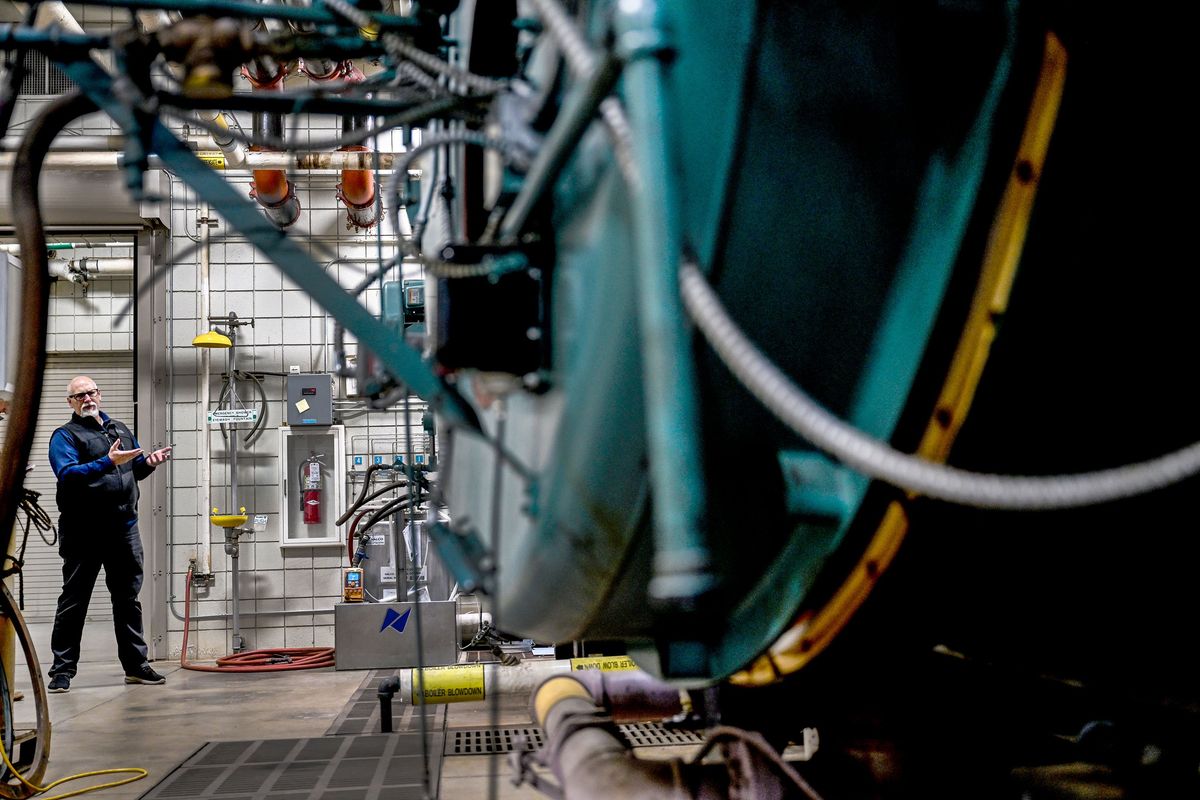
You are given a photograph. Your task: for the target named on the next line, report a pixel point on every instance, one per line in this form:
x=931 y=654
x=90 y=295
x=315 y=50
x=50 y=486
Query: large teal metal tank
x=847 y=175
x=825 y=166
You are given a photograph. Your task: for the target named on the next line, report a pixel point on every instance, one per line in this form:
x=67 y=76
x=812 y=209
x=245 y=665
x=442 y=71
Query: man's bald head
x=84 y=396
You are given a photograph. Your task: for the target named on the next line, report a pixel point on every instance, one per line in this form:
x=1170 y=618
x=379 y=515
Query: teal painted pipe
x=315 y=13
x=681 y=557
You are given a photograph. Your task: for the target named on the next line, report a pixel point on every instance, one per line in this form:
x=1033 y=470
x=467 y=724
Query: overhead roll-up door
x=42 y=575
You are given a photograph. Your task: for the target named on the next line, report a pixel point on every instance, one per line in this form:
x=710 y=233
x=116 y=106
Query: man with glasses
x=98 y=463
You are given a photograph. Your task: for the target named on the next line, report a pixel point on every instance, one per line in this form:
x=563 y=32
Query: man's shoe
x=145 y=675
x=59 y=684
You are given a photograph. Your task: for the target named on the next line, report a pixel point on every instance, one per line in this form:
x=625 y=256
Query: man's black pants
x=83 y=554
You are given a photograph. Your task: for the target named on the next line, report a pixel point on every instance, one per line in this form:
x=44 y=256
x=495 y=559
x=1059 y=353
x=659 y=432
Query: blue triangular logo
x=394 y=619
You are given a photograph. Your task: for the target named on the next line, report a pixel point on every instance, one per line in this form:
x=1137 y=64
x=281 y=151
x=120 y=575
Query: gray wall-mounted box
x=384 y=635
x=310 y=399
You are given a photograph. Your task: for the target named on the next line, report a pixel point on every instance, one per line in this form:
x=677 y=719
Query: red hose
x=270 y=659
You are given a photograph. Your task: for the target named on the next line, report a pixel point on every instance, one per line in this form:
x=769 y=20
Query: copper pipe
x=270 y=187
x=357 y=188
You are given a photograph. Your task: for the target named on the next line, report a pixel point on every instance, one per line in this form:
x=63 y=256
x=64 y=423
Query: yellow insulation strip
x=214 y=158
x=448 y=684
x=813 y=632
x=604 y=663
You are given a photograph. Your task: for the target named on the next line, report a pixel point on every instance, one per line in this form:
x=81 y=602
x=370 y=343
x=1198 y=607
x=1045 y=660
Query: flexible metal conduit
x=581 y=61
x=879 y=460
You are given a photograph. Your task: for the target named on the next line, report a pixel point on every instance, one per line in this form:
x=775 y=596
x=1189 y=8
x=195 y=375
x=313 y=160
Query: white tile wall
x=83 y=318
x=290 y=329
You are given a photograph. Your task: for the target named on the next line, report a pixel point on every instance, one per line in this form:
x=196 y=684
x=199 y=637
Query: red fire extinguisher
x=310 y=485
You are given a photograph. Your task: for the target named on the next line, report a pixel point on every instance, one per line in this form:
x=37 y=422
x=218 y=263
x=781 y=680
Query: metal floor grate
x=482 y=741
x=361 y=713
x=652 y=734
x=342 y=767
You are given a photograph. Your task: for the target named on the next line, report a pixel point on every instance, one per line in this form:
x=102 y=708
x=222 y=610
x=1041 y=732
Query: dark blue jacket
x=92 y=491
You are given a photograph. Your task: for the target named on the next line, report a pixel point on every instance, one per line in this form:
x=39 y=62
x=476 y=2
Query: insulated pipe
x=631 y=694
x=61 y=270
x=103 y=267
x=83 y=143
x=348 y=159
x=589 y=758
x=271 y=187
x=235 y=154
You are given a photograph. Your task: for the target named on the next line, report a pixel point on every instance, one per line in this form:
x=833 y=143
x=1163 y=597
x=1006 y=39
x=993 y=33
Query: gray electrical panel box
x=384 y=635
x=310 y=399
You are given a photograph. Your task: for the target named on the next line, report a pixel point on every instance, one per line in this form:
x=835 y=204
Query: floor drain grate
x=482 y=741
x=652 y=734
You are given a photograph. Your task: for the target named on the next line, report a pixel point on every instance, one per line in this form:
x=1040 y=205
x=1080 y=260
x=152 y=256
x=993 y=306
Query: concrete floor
x=103 y=723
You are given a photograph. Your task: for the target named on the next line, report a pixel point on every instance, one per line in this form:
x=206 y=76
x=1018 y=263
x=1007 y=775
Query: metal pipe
x=235 y=594
x=682 y=569
x=271 y=188
x=204 y=221
x=387 y=688
x=361 y=159
x=575 y=118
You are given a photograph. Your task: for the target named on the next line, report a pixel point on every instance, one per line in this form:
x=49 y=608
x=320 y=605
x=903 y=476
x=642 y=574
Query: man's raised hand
x=120 y=456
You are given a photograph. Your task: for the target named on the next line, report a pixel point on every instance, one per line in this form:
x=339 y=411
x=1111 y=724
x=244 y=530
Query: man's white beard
x=91 y=410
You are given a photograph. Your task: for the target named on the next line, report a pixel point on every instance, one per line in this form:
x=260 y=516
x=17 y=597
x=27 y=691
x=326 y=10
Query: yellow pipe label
x=214 y=158
x=603 y=663
x=458 y=684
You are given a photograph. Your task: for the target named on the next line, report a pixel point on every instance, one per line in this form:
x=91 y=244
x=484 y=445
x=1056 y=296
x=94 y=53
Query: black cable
x=35 y=517
x=371 y=470
x=390 y=508
x=260 y=425
x=383 y=490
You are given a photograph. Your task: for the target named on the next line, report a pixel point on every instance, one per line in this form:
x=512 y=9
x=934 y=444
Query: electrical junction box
x=403 y=303
x=310 y=399
x=384 y=635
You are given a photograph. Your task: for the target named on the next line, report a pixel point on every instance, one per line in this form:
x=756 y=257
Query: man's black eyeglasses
x=79 y=397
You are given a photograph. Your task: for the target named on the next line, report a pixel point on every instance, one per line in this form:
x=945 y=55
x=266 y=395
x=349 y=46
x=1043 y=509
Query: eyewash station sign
x=232 y=416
